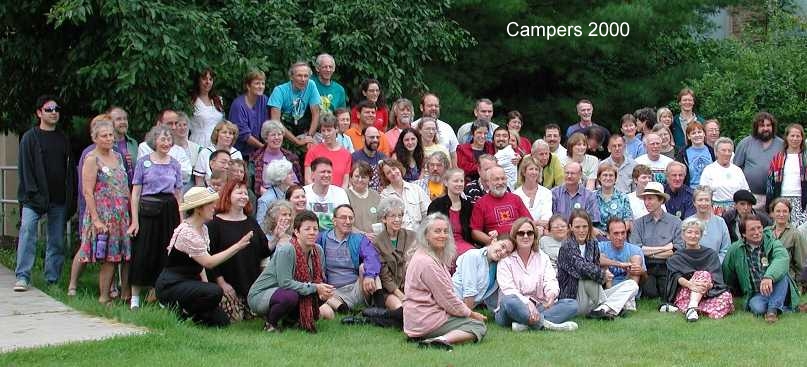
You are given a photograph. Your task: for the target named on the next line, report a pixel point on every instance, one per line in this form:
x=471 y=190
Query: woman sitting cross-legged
x=183 y=283
x=695 y=280
x=528 y=287
x=433 y=314
x=292 y=286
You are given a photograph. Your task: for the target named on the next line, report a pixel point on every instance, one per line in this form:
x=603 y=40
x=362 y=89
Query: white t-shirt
x=202 y=166
x=791 y=179
x=505 y=159
x=724 y=181
x=657 y=167
x=323 y=206
x=203 y=122
x=541 y=208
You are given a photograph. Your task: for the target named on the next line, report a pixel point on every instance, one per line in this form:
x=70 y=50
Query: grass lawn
x=644 y=338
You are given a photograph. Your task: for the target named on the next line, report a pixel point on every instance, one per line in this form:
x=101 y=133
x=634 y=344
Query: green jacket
x=737 y=274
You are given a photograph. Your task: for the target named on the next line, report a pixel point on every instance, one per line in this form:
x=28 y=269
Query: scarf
x=308 y=309
x=686 y=262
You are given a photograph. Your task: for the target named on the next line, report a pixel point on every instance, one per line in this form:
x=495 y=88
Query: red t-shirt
x=381 y=118
x=341 y=161
x=492 y=213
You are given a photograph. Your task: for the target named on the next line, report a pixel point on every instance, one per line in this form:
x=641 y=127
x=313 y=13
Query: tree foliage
x=140 y=54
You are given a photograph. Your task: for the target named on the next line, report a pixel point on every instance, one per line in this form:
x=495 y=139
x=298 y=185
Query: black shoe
x=435 y=343
x=354 y=320
x=599 y=315
x=624 y=313
x=376 y=312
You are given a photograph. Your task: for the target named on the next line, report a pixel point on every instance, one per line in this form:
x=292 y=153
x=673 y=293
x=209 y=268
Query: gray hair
x=97 y=125
x=270 y=126
x=297 y=65
x=441 y=157
x=388 y=204
x=275 y=171
x=692 y=222
x=323 y=56
x=724 y=140
x=270 y=222
x=155 y=133
x=702 y=190
x=450 y=250
x=675 y=164
x=540 y=143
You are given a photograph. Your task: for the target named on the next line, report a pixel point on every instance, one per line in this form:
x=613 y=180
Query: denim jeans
x=54 y=252
x=760 y=304
x=512 y=309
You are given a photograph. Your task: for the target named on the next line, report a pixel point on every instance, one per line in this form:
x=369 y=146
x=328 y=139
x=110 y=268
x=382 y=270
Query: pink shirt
x=392 y=136
x=536 y=279
x=430 y=297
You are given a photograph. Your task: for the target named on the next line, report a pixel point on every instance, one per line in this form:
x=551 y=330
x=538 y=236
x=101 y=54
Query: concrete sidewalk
x=34 y=319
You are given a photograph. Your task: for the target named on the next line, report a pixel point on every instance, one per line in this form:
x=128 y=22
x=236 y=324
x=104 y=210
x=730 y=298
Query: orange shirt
x=358 y=141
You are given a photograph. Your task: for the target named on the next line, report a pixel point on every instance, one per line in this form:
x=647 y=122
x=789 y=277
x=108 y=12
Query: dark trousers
x=283 y=304
x=192 y=297
x=655 y=285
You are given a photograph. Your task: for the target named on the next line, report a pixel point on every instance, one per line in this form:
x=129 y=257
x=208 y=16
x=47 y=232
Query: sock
x=379 y=298
x=343 y=308
x=397 y=314
x=135 y=301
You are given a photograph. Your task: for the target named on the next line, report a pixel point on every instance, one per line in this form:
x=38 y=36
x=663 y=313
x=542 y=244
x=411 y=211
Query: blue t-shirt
x=295 y=113
x=697 y=160
x=331 y=96
x=623 y=255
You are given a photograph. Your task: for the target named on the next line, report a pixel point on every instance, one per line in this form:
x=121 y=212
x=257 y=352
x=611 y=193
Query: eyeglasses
x=52 y=109
x=525 y=233
x=345 y=217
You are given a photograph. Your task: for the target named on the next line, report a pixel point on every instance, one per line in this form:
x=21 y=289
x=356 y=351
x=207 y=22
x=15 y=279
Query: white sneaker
x=691 y=314
x=667 y=308
x=564 y=326
x=20 y=285
x=519 y=327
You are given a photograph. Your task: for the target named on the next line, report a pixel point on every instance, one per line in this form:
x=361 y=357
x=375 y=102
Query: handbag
x=150 y=206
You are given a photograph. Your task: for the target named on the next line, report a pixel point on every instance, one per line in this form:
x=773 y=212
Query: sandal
x=71 y=292
x=691 y=314
x=113 y=292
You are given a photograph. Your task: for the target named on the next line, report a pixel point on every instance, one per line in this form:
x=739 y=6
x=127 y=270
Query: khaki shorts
x=466 y=324
x=352 y=295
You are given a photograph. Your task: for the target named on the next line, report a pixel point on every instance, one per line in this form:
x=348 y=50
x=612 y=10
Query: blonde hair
x=223 y=124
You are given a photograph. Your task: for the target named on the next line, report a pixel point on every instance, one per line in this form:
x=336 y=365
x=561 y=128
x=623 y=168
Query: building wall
x=9 y=144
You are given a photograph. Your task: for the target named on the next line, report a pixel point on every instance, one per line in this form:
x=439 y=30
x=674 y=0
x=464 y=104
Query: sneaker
x=691 y=314
x=667 y=308
x=564 y=326
x=519 y=327
x=376 y=312
x=354 y=320
x=21 y=285
x=134 y=304
x=435 y=343
x=600 y=314
x=771 y=317
x=267 y=327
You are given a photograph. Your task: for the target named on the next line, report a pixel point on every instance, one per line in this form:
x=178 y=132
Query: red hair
x=224 y=202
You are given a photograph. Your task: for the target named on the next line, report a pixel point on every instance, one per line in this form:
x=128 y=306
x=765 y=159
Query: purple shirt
x=157 y=178
x=248 y=120
x=563 y=203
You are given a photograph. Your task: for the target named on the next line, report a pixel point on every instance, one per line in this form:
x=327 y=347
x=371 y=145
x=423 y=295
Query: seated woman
x=278 y=176
x=292 y=287
x=393 y=243
x=457 y=208
x=182 y=283
x=433 y=314
x=277 y=223
x=237 y=274
x=475 y=277
x=784 y=231
x=550 y=242
x=695 y=280
x=363 y=199
x=528 y=287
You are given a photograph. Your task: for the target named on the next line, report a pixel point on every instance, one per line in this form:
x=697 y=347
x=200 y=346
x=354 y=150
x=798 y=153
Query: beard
x=498 y=192
x=764 y=136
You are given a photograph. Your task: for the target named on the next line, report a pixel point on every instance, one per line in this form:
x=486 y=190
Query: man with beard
x=496 y=211
x=401 y=118
x=430 y=107
x=681 y=202
x=552 y=137
x=754 y=154
x=432 y=184
x=505 y=155
x=367 y=111
x=124 y=144
x=369 y=153
x=574 y=195
x=332 y=94
x=482 y=111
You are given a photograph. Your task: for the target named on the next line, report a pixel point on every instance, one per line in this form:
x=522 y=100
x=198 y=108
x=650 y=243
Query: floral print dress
x=111 y=195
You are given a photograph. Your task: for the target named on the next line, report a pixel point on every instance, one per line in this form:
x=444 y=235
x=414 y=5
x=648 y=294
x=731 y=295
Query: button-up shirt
x=647 y=231
x=681 y=203
x=755 y=266
x=563 y=202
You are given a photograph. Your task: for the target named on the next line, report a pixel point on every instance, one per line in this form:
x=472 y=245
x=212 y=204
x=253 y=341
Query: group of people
x=295 y=207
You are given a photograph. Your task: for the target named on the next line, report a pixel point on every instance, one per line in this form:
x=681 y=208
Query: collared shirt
x=536 y=279
x=756 y=268
x=681 y=203
x=624 y=176
x=473 y=277
x=563 y=202
x=617 y=206
x=634 y=147
x=646 y=231
x=416 y=203
x=338 y=265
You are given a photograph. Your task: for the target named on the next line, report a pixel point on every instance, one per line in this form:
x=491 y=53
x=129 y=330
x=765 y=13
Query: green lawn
x=644 y=338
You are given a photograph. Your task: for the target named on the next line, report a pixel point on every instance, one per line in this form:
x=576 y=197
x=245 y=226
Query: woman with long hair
x=409 y=151
x=371 y=91
x=456 y=208
x=787 y=175
x=208 y=107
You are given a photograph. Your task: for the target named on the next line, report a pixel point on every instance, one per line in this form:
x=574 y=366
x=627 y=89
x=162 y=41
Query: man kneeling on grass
x=756 y=266
x=581 y=277
x=475 y=277
x=351 y=265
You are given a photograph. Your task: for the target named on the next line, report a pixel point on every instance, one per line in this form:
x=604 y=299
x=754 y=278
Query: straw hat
x=198 y=196
x=654 y=188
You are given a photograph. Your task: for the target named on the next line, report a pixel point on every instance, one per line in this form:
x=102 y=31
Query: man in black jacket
x=744 y=201
x=46 y=188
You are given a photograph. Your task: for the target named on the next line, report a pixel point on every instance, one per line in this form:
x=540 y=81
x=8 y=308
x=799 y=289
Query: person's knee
x=326 y=312
x=757 y=305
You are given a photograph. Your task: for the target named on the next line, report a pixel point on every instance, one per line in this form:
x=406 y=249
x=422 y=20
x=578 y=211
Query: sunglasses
x=52 y=109
x=525 y=233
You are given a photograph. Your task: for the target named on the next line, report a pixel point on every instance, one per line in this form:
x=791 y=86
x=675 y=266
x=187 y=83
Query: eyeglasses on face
x=528 y=233
x=51 y=109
